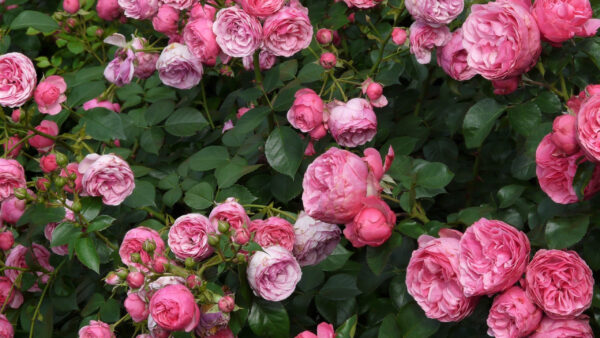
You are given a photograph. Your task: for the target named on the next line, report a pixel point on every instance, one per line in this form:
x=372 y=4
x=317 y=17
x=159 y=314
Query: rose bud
x=174 y=308
x=6 y=240
x=306 y=113
x=159 y=264
x=564 y=134
x=13 y=147
x=16 y=115
x=374 y=91
x=513 y=314
x=328 y=60
x=132 y=246
x=398 y=36
x=226 y=304
x=96 y=328
x=71 y=6
x=352 y=16
x=373 y=225
x=192 y=281
x=122 y=273
x=48 y=163
x=136 y=307
x=42 y=184
x=242 y=236
x=72 y=169
x=324 y=36
x=506 y=86
x=112 y=279
x=166 y=20
x=135 y=279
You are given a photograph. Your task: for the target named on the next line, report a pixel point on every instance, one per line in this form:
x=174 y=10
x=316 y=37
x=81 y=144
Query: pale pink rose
x=107 y=176
x=513 y=315
x=506 y=86
x=324 y=36
x=95 y=103
x=335 y=184
x=9 y=294
x=560 y=282
x=7 y=239
x=238 y=33
x=262 y=8
x=564 y=134
x=166 y=20
x=12 y=209
x=306 y=113
x=49 y=94
x=560 y=20
x=328 y=60
x=424 y=38
x=120 y=70
x=362 y=3
x=133 y=242
x=288 y=31
x=17 y=79
x=374 y=91
x=324 y=330
x=353 y=124
x=139 y=9
x=588 y=127
x=71 y=6
x=273 y=273
x=501 y=26
x=136 y=307
x=178 y=67
x=12 y=175
x=96 y=329
x=108 y=9
x=188 y=237
x=452 y=57
x=6 y=329
x=13 y=143
x=435 y=12
x=48 y=163
x=16 y=258
x=314 y=240
x=207 y=11
x=399 y=36
x=201 y=40
x=42 y=143
x=266 y=61
x=231 y=212
x=273 y=231
x=564 y=328
x=373 y=225
x=493 y=257
x=179 y=4
x=72 y=168
x=61 y=250
x=174 y=308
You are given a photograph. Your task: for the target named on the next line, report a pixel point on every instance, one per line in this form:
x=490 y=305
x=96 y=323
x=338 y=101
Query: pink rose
x=273 y=231
x=506 y=86
x=513 y=315
x=399 y=36
x=587 y=127
x=145 y=66
x=61 y=250
x=324 y=36
x=7 y=240
x=12 y=209
x=435 y=12
x=48 y=163
x=231 y=212
x=288 y=31
x=12 y=175
x=261 y=8
x=136 y=307
x=41 y=143
x=12 y=147
x=6 y=329
x=120 y=70
x=96 y=329
x=95 y=103
x=564 y=134
x=226 y=304
x=108 y=9
x=515 y=33
x=188 y=237
x=71 y=6
x=362 y=3
x=424 y=38
x=139 y=9
x=266 y=60
x=328 y=60
x=314 y=240
x=563 y=328
x=374 y=91
x=133 y=242
x=353 y=123
x=273 y=273
x=18 y=78
x=201 y=40
x=16 y=258
x=9 y=295
x=207 y=11
x=452 y=57
x=238 y=33
x=174 y=308
x=493 y=257
x=432 y=278
x=16 y=115
x=560 y=20
x=166 y=20
x=373 y=225
x=178 y=67
x=179 y=4
x=560 y=282
x=306 y=113
x=49 y=94
x=107 y=176
x=324 y=330
x=72 y=168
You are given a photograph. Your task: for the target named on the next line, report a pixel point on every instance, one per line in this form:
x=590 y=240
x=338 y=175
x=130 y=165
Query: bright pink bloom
x=12 y=209
x=134 y=242
x=324 y=36
x=452 y=57
x=564 y=134
x=288 y=31
x=306 y=113
x=373 y=225
x=324 y=330
x=238 y=33
x=399 y=36
x=513 y=315
x=188 y=237
x=179 y=4
x=17 y=79
x=564 y=328
x=201 y=40
x=12 y=175
x=71 y=6
x=7 y=240
x=273 y=231
x=94 y=103
x=328 y=60
x=506 y=86
x=166 y=20
x=266 y=60
x=96 y=329
x=41 y=143
x=136 y=307
x=73 y=168
x=6 y=329
x=107 y=176
x=108 y=9
x=16 y=258
x=174 y=308
x=13 y=143
x=226 y=304
x=48 y=163
x=560 y=20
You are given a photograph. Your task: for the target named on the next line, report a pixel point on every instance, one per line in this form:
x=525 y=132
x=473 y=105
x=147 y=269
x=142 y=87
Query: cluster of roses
x=447 y=275
x=499 y=40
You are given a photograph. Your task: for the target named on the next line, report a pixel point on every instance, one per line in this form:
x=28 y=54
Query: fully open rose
x=273 y=273
x=17 y=79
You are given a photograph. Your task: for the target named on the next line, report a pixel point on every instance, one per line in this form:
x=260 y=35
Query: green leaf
x=348 y=329
x=413 y=323
x=284 y=150
x=208 y=158
x=377 y=257
x=340 y=287
x=562 y=233
x=152 y=140
x=525 y=117
x=90 y=207
x=158 y=111
x=509 y=194
x=310 y=73
x=268 y=319
x=388 y=327
x=85 y=91
x=64 y=233
x=143 y=195
x=40 y=215
x=86 y=253
x=241 y=193
x=230 y=173
x=480 y=120
x=110 y=311
x=336 y=260
x=398 y=291
x=433 y=175
x=336 y=312
x=185 y=121
x=582 y=178
x=40 y=21
x=548 y=102
x=199 y=196
x=103 y=124
x=100 y=223
x=247 y=123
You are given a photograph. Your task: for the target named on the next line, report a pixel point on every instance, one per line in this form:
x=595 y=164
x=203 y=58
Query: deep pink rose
x=435 y=12
x=133 y=242
x=179 y=4
x=49 y=94
x=273 y=231
x=432 y=278
x=306 y=113
x=373 y=225
x=273 y=273
x=17 y=79
x=513 y=315
x=139 y=9
x=399 y=36
x=560 y=20
x=174 y=308
x=48 y=163
x=207 y=11
x=12 y=209
x=12 y=175
x=41 y=143
x=7 y=239
x=108 y=9
x=6 y=329
x=362 y=3
x=231 y=212
x=166 y=20
x=188 y=237
x=71 y=6
x=314 y=240
x=564 y=134
x=563 y=328
x=9 y=295
x=226 y=304
x=560 y=282
x=136 y=307
x=506 y=86
x=424 y=38
x=107 y=176
x=328 y=60
x=452 y=57
x=324 y=36
x=95 y=103
x=588 y=127
x=288 y=31
x=96 y=329
x=178 y=67
x=502 y=39
x=324 y=330
x=201 y=40
x=238 y=33
x=493 y=257
x=353 y=124
x=13 y=143
x=72 y=168
x=16 y=258
x=262 y=8
x=266 y=60
x=374 y=91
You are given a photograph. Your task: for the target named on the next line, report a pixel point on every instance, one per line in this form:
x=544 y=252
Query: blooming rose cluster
x=446 y=275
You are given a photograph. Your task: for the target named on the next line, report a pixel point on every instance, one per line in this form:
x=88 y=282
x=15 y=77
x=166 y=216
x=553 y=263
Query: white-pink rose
x=178 y=67
x=139 y=9
x=17 y=79
x=12 y=175
x=435 y=12
x=315 y=240
x=273 y=273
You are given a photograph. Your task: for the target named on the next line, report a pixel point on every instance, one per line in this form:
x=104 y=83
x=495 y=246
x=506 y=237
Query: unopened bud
x=226 y=304
x=135 y=279
x=122 y=273
x=61 y=159
x=21 y=193
x=149 y=246
x=76 y=206
x=60 y=181
x=241 y=257
x=135 y=257
x=189 y=262
x=213 y=240
x=223 y=227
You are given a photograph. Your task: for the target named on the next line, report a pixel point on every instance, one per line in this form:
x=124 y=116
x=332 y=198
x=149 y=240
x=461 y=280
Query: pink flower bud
x=41 y=143
x=242 y=236
x=40 y=184
x=506 y=86
x=328 y=60
x=351 y=17
x=112 y=279
x=48 y=163
x=135 y=279
x=226 y=304
x=192 y=281
x=166 y=20
x=71 y=6
x=564 y=134
x=373 y=225
x=159 y=264
x=136 y=307
x=399 y=36
x=324 y=36
x=16 y=115
x=6 y=240
x=374 y=91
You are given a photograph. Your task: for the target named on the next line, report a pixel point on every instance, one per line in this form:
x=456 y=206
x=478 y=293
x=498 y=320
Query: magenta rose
x=133 y=242
x=9 y=294
x=306 y=113
x=139 y=9
x=174 y=308
x=16 y=258
x=560 y=20
x=12 y=209
x=432 y=278
x=373 y=225
x=18 y=78
x=107 y=176
x=262 y=8
x=238 y=33
x=353 y=123
x=563 y=328
x=49 y=94
x=273 y=231
x=48 y=163
x=136 y=307
x=435 y=12
x=266 y=60
x=514 y=32
x=179 y=4
x=7 y=239
x=288 y=31
x=188 y=237
x=564 y=134
x=560 y=282
x=6 y=329
x=493 y=257
x=166 y=20
x=178 y=67
x=231 y=212
x=314 y=240
x=513 y=315
x=273 y=273
x=12 y=175
x=108 y=9
x=324 y=330
x=42 y=143
x=362 y=3
x=424 y=38
x=452 y=57
x=201 y=40
x=95 y=103
x=96 y=329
